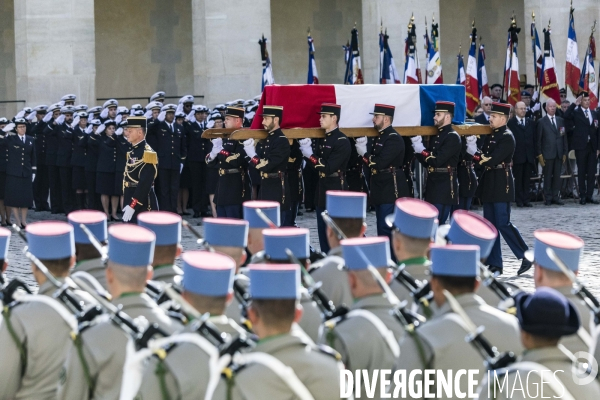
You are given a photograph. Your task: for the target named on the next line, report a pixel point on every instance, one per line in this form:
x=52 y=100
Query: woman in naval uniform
x=106 y=169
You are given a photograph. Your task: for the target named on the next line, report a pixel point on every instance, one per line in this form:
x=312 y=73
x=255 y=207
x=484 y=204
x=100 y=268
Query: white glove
x=536 y=107
x=161 y=116
x=60 y=119
x=535 y=96
x=180 y=168
x=119 y=132
x=128 y=213
x=119 y=119
x=32 y=177
x=472 y=147
x=306 y=147
x=361 y=146
x=8 y=128
x=191 y=116
x=471 y=139
x=218 y=142
x=75 y=122
x=249 y=148
x=47 y=117
x=100 y=129
x=104 y=113
x=20 y=114
x=179 y=107
x=417 y=144
x=148 y=114
x=89 y=129
x=61 y=103
x=32 y=116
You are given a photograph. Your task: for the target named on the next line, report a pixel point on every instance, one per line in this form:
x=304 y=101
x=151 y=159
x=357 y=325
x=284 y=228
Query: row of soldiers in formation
x=78 y=155
x=249 y=317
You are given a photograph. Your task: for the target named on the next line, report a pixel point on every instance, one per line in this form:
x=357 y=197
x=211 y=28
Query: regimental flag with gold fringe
x=434 y=61
x=471 y=85
x=353 y=75
x=572 y=69
x=549 y=84
x=511 y=70
x=411 y=68
x=588 y=81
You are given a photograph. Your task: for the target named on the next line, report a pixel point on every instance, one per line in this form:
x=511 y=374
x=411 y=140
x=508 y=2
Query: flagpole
x=513 y=24
x=533 y=48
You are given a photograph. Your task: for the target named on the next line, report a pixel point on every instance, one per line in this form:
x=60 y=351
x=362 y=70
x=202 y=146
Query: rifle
x=579 y=288
x=7 y=290
x=492 y=358
x=421 y=293
x=506 y=295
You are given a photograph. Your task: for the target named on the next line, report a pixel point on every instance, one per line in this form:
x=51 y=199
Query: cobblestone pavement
x=581 y=220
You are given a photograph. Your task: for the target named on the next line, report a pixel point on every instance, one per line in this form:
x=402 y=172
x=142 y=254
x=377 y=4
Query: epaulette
x=150 y=157
x=329 y=351
x=342 y=138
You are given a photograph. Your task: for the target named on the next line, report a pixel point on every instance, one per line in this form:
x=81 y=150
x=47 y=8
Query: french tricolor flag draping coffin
x=414 y=103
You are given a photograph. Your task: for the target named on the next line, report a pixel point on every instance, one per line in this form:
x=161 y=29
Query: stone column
x=227 y=61
x=586 y=11
x=55 y=50
x=396 y=16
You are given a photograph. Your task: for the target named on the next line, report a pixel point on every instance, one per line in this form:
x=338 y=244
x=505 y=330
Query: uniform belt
x=130 y=184
x=265 y=175
x=333 y=175
x=229 y=171
x=500 y=166
x=442 y=170
x=383 y=171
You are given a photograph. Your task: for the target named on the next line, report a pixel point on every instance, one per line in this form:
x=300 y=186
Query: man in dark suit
x=551 y=148
x=523 y=130
x=486 y=106
x=585 y=144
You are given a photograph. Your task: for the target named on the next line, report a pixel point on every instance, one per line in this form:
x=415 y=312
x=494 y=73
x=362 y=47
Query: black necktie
x=553 y=124
x=587 y=116
x=523 y=123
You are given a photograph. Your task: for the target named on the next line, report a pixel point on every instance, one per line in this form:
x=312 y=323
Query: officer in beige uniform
x=413 y=224
x=546 y=368
x=262 y=373
x=183 y=370
x=349 y=211
x=367 y=336
x=297 y=241
x=95 y=370
x=440 y=342
x=568 y=247
x=167 y=228
x=87 y=256
x=35 y=330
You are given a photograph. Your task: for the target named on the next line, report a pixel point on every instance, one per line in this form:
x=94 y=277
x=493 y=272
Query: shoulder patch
x=329 y=351
x=342 y=138
x=150 y=157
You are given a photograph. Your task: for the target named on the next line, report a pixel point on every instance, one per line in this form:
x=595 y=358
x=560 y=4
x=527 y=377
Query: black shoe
x=582 y=202
x=592 y=201
x=115 y=219
x=300 y=213
x=525 y=266
x=527 y=205
x=493 y=269
x=310 y=210
x=185 y=213
x=558 y=202
x=519 y=205
x=23 y=226
x=547 y=203
x=206 y=214
x=196 y=215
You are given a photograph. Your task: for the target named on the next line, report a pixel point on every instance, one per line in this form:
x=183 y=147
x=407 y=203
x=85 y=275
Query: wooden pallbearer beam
x=317 y=133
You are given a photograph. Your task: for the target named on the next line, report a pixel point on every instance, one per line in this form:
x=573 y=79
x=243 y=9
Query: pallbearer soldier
x=329 y=160
x=297 y=241
x=88 y=259
x=94 y=366
x=274 y=308
x=496 y=186
x=35 y=332
x=385 y=160
x=184 y=370
x=349 y=212
x=441 y=158
x=270 y=159
x=257 y=224
x=455 y=268
x=367 y=337
x=140 y=172
x=545 y=317
x=167 y=228
x=230 y=237
x=414 y=224
x=229 y=157
x=547 y=273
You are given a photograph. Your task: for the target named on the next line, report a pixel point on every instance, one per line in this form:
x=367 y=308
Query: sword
x=200 y=240
x=579 y=288
x=266 y=219
x=492 y=358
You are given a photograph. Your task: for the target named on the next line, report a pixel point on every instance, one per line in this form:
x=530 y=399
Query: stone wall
x=8 y=77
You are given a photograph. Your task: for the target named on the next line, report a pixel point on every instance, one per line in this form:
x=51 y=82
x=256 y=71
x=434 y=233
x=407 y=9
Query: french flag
x=588 y=80
x=415 y=104
x=460 y=76
x=538 y=55
x=410 y=66
x=572 y=70
x=482 y=80
x=471 y=79
x=388 y=73
x=549 y=87
x=313 y=76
